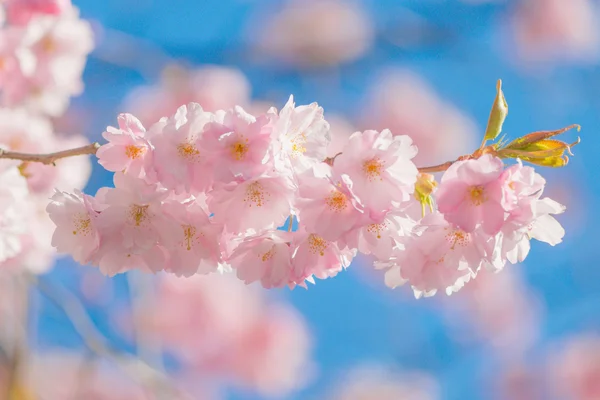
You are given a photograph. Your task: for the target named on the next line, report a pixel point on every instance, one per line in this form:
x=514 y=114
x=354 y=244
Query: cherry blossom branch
x=95 y=341
x=436 y=168
x=49 y=158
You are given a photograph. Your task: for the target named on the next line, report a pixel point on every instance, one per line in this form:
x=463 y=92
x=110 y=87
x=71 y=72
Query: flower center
x=82 y=224
x=189 y=234
x=138 y=214
x=376 y=229
x=373 y=169
x=255 y=194
x=188 y=151
x=477 y=195
x=317 y=245
x=268 y=255
x=298 y=148
x=457 y=237
x=134 y=152
x=239 y=149
x=337 y=201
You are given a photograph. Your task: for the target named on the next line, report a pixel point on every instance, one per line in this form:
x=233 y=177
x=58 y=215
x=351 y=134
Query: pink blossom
x=133 y=223
x=199 y=249
x=382 y=383
x=266 y=257
x=514 y=239
x=127 y=149
x=271 y=357
x=314 y=256
x=574 y=367
x=316 y=33
x=471 y=193
x=75 y=221
x=224 y=329
x=261 y=203
x=380 y=168
x=214 y=87
x=179 y=161
x=60 y=45
x=239 y=145
x=406 y=104
x=303 y=134
x=20 y=12
x=556 y=31
x=379 y=234
x=439 y=256
x=326 y=208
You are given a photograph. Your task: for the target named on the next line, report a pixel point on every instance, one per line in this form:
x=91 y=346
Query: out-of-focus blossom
x=556 y=31
x=501 y=308
x=574 y=368
x=63 y=375
x=60 y=44
x=223 y=328
x=213 y=87
x=405 y=104
x=315 y=33
x=376 y=382
x=20 y=12
x=340 y=131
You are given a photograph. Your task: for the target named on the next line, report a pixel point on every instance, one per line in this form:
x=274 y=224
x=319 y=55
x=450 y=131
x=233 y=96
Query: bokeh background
x=426 y=68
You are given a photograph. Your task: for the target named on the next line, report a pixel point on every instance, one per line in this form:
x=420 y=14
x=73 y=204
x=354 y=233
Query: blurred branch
x=161 y=384
x=19 y=351
x=49 y=158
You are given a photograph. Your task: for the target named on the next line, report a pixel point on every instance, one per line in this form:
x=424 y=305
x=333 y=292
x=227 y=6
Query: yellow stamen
x=373 y=168
x=134 y=152
x=337 y=201
x=188 y=151
x=138 y=214
x=477 y=195
x=317 y=245
x=239 y=149
x=255 y=195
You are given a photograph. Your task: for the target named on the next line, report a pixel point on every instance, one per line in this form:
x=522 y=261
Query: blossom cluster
x=43 y=47
x=200 y=192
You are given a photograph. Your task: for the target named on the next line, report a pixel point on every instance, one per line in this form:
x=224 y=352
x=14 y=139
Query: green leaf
x=497 y=115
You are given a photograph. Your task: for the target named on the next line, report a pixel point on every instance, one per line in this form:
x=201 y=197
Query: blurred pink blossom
x=313 y=33
x=213 y=87
x=404 y=103
x=556 y=30
x=501 y=309
x=218 y=325
x=376 y=382
x=574 y=368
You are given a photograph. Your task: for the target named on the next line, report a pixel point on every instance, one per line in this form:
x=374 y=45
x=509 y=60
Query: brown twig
x=49 y=158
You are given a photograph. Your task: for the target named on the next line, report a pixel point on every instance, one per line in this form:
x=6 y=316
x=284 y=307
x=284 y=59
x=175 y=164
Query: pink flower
x=127 y=149
x=199 y=249
x=316 y=33
x=239 y=145
x=261 y=203
x=380 y=168
x=303 y=134
x=439 y=257
x=555 y=30
x=20 y=12
x=214 y=87
x=271 y=357
x=406 y=104
x=75 y=220
x=514 y=239
x=379 y=234
x=326 y=208
x=574 y=368
x=314 y=256
x=60 y=45
x=179 y=161
x=133 y=224
x=382 y=383
x=471 y=194
x=265 y=257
